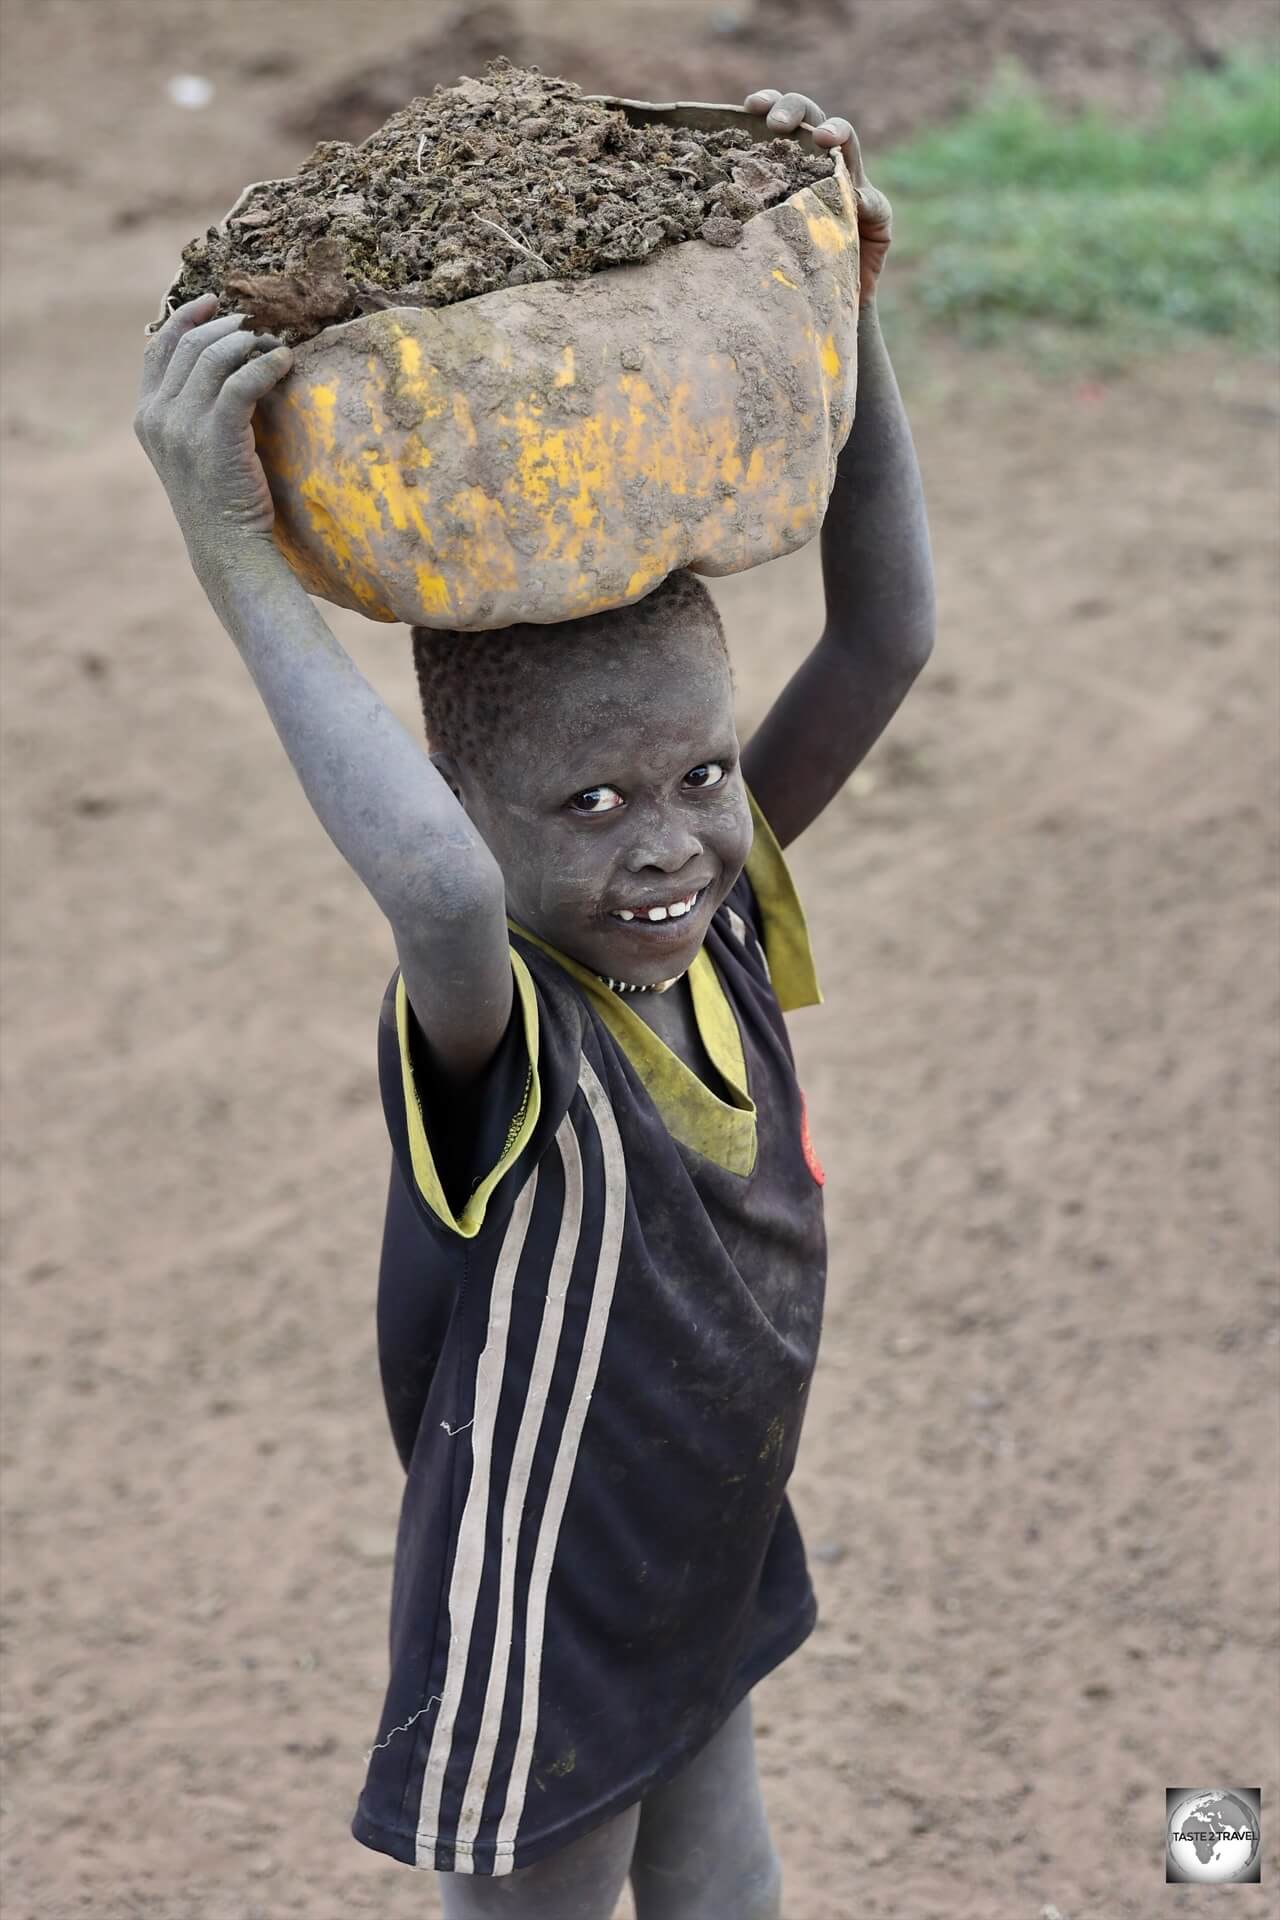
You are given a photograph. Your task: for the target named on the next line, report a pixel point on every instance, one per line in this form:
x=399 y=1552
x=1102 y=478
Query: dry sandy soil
x=1039 y=1474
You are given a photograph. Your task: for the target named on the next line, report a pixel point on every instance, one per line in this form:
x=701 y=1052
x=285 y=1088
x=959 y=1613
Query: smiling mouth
x=673 y=911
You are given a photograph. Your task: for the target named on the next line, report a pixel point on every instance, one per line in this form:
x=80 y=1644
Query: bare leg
x=580 y=1882
x=703 y=1851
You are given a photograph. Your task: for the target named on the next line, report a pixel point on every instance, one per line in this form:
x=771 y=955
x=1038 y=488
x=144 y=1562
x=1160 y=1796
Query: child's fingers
x=160 y=348
x=189 y=349
x=761 y=100
x=838 y=132
x=794 y=110
x=219 y=361
x=874 y=208
x=853 y=158
x=242 y=390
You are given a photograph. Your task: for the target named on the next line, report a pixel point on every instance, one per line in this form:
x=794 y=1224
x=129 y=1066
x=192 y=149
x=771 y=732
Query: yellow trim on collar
x=424 y=1167
x=694 y=1115
x=786 y=935
x=723 y=1131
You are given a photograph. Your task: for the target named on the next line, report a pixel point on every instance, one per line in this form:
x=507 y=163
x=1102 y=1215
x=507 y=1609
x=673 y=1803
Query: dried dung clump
x=491 y=183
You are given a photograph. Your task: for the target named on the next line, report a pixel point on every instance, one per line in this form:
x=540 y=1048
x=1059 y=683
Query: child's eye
x=708 y=775
x=596 y=800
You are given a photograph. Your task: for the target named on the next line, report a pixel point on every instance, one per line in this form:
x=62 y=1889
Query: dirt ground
x=1039 y=1477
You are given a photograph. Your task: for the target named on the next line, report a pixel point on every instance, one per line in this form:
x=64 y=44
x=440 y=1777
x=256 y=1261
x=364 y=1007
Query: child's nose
x=668 y=848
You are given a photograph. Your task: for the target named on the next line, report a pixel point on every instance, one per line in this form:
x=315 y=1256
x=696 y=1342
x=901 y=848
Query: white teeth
x=676 y=911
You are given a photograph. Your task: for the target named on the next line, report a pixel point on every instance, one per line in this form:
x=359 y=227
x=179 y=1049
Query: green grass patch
x=1021 y=224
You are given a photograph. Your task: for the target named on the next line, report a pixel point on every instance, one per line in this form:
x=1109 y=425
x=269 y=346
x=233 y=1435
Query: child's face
x=621 y=792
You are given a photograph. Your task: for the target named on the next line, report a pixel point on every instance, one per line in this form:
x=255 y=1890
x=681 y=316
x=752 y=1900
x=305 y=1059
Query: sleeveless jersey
x=595 y=1374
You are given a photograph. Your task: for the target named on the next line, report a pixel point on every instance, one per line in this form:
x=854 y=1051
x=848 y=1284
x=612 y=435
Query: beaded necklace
x=629 y=986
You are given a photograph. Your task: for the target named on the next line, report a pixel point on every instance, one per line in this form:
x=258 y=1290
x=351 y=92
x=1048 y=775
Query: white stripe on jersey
x=531 y=1419
x=468 y=1564
x=615 y=1191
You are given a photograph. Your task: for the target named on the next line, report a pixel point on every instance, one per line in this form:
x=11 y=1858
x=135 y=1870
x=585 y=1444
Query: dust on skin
x=643 y=716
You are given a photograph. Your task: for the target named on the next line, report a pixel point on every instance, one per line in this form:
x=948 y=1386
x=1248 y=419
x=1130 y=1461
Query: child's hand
x=787 y=111
x=200 y=385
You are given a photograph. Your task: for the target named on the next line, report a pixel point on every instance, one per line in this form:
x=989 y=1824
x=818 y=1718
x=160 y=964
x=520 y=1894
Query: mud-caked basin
x=551 y=450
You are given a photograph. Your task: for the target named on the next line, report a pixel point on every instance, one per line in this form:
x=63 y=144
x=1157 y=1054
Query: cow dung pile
x=497 y=182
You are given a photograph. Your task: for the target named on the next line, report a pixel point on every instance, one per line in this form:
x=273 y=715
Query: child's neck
x=671 y=1016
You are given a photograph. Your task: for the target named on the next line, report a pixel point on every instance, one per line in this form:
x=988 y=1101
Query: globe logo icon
x=1213 y=1837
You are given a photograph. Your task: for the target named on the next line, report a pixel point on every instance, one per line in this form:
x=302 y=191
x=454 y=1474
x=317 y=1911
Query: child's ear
x=447 y=767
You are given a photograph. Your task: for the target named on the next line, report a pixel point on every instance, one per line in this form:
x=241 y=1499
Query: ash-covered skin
x=619 y=788
x=424 y=859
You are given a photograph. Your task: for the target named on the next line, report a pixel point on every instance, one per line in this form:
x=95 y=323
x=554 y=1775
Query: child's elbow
x=912 y=647
x=920 y=646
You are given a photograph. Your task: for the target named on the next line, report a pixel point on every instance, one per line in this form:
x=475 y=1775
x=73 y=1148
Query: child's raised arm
x=876 y=566
x=377 y=795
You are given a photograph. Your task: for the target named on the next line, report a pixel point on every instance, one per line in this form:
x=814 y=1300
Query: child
x=603 y=1263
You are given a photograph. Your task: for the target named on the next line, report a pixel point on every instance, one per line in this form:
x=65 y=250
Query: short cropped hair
x=471 y=683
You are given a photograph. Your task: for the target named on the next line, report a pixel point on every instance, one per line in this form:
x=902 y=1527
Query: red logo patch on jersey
x=811 y=1159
